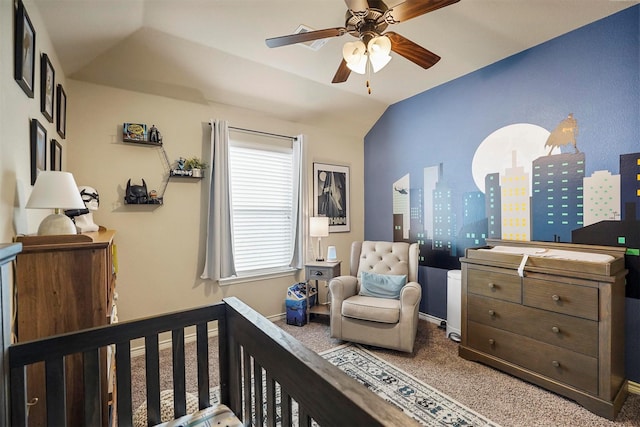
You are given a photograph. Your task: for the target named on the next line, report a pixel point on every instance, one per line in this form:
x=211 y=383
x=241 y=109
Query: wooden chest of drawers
x=559 y=328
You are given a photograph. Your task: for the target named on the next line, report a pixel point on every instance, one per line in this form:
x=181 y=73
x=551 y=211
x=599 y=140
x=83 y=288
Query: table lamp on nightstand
x=319 y=227
x=55 y=190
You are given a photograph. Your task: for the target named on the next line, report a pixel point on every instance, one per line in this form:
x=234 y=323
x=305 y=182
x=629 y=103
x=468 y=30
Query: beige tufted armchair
x=382 y=322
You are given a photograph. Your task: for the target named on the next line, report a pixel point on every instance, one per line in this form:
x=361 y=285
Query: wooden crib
x=251 y=350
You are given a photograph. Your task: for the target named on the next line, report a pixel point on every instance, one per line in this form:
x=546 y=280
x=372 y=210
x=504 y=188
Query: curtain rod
x=258 y=132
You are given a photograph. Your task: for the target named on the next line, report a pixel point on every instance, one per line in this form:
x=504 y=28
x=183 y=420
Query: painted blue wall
x=592 y=72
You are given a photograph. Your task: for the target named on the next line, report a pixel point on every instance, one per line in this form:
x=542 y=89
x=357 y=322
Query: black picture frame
x=56 y=156
x=24 y=49
x=331 y=195
x=38 y=149
x=61 y=122
x=47 y=87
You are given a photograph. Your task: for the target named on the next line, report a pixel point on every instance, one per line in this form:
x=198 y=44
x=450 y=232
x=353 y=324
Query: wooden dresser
x=63 y=284
x=559 y=324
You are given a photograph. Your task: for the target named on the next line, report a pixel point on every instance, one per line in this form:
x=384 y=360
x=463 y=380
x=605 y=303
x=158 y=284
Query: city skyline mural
x=531 y=184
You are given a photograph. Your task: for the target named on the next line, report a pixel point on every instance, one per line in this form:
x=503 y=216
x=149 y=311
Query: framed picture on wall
x=47 y=86
x=38 y=149
x=56 y=156
x=331 y=195
x=24 y=49
x=61 y=125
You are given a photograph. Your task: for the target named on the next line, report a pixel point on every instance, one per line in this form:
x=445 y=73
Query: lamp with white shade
x=55 y=190
x=319 y=227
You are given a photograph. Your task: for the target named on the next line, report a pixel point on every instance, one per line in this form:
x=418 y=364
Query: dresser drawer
x=575 y=369
x=495 y=285
x=574 y=300
x=580 y=335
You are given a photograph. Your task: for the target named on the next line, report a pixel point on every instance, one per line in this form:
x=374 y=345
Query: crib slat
x=18 y=395
x=258 y=398
x=202 y=344
x=92 y=393
x=152 y=362
x=123 y=383
x=179 y=382
x=56 y=392
x=246 y=389
x=304 y=420
x=285 y=404
x=235 y=377
x=271 y=400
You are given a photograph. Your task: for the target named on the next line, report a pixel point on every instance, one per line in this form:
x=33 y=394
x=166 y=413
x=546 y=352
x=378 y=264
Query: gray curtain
x=219 y=245
x=299 y=182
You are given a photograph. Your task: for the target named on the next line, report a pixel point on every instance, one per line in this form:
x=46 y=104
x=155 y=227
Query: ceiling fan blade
x=306 y=37
x=412 y=8
x=342 y=74
x=412 y=51
x=357 y=5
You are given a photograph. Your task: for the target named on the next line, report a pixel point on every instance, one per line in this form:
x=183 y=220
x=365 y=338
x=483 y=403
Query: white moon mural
x=495 y=153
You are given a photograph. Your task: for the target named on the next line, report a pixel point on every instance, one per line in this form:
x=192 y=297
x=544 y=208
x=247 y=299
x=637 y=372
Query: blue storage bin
x=296 y=311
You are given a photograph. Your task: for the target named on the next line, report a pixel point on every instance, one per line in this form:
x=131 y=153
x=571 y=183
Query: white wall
x=161 y=248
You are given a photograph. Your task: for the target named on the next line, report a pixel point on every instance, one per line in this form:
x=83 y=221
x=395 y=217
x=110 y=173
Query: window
x=262 y=204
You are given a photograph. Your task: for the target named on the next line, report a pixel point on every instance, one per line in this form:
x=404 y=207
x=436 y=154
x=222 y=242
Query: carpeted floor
x=503 y=399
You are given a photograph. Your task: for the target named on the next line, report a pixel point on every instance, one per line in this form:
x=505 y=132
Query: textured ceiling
x=214 y=50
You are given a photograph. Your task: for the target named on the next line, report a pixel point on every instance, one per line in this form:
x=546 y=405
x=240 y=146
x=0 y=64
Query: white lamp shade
x=355 y=54
x=319 y=226
x=55 y=190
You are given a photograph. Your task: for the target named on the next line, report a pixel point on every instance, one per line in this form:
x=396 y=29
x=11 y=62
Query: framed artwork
x=61 y=125
x=47 y=85
x=331 y=195
x=134 y=132
x=38 y=149
x=24 y=49
x=56 y=156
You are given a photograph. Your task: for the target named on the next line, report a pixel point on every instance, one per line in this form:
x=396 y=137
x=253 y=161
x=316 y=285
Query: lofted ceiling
x=214 y=51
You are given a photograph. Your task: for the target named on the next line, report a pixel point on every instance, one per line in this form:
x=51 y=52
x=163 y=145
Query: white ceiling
x=214 y=50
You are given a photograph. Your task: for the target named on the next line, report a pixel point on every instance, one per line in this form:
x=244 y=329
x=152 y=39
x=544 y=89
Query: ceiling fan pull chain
x=368 y=77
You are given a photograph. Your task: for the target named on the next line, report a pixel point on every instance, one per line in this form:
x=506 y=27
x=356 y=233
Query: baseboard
x=163 y=344
x=430 y=318
x=633 y=387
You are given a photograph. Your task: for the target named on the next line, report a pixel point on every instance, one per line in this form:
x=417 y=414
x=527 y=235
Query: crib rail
x=251 y=350
x=89 y=343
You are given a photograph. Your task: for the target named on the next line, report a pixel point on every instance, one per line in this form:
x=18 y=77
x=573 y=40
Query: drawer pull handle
x=555 y=297
x=491 y=286
x=555 y=330
x=492 y=313
x=317 y=273
x=491 y=341
x=555 y=364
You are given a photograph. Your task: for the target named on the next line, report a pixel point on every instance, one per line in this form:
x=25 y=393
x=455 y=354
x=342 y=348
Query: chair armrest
x=341 y=288
x=410 y=294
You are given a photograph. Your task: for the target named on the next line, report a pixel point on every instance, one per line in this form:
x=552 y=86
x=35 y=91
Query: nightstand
x=320 y=271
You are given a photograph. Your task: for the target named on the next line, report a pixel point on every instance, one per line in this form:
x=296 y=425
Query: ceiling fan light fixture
x=379 y=61
x=355 y=55
x=379 y=49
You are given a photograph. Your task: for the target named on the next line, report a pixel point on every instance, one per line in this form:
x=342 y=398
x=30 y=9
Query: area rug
x=418 y=400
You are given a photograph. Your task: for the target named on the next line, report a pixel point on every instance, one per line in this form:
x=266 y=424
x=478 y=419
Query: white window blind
x=262 y=206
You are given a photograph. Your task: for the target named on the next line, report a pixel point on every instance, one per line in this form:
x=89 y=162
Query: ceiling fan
x=367 y=20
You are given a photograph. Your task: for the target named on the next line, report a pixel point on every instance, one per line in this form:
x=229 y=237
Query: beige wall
x=161 y=248
x=16 y=112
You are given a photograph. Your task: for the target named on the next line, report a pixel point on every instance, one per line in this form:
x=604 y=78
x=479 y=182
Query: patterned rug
x=418 y=400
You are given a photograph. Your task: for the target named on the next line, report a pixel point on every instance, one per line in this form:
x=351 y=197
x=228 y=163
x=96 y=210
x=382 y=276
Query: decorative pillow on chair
x=381 y=285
